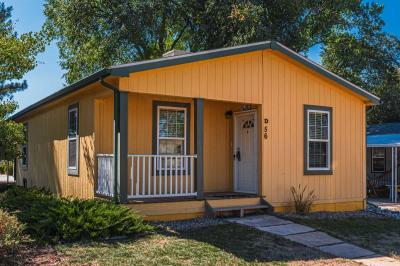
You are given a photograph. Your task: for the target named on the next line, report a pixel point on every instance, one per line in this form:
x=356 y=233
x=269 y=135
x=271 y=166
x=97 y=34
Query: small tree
x=17 y=57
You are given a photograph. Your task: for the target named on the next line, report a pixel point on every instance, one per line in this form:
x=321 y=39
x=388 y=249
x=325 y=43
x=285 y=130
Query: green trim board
x=122 y=173
x=308 y=171
x=199 y=145
x=125 y=69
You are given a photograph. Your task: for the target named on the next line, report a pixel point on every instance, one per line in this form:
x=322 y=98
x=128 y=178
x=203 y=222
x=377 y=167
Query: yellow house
x=226 y=129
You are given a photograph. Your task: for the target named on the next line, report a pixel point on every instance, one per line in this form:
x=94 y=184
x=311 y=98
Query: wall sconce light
x=228 y=114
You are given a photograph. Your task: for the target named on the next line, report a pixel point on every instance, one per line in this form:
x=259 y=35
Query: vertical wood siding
x=47 y=149
x=234 y=78
x=288 y=86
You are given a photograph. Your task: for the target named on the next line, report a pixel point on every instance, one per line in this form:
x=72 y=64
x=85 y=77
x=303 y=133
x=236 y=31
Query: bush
x=11 y=231
x=4 y=167
x=302 y=201
x=52 y=219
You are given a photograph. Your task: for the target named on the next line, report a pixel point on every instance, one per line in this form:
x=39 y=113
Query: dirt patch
x=32 y=255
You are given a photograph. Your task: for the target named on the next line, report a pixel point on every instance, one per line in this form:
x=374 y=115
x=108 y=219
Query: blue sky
x=47 y=78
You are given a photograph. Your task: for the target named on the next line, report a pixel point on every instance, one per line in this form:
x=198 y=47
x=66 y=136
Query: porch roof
x=125 y=69
x=388 y=140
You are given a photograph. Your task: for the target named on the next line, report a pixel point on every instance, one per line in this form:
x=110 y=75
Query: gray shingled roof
x=383 y=129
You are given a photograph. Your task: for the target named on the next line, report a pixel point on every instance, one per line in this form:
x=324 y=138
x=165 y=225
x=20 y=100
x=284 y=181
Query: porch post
x=395 y=174
x=120 y=146
x=198 y=144
x=392 y=188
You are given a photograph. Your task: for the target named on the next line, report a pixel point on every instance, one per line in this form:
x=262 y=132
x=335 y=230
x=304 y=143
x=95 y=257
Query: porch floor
x=228 y=195
x=207 y=196
x=385 y=204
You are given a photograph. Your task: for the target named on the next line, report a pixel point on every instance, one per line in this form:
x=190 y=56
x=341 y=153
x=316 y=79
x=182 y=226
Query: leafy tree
x=17 y=56
x=367 y=56
x=298 y=24
x=92 y=34
x=99 y=33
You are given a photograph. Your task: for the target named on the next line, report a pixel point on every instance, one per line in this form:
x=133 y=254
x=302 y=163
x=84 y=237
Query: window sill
x=73 y=172
x=318 y=172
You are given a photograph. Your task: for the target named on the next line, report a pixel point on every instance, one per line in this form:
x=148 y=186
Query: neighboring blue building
x=383 y=142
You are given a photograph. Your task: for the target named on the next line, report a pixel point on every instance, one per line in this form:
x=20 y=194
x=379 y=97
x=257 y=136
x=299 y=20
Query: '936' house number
x=266 y=128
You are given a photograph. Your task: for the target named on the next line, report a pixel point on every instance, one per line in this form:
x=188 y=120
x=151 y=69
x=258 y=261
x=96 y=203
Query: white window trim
x=73 y=169
x=375 y=157
x=318 y=140
x=161 y=107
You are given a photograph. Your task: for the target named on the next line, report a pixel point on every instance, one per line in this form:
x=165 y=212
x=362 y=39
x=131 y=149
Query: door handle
x=237 y=155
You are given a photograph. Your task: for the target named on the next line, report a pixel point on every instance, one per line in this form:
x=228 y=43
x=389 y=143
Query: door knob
x=237 y=155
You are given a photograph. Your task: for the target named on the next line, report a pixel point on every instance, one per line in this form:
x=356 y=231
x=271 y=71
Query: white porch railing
x=149 y=176
x=154 y=176
x=105 y=175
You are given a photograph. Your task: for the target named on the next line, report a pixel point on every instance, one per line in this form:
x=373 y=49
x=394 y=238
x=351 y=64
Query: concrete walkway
x=310 y=237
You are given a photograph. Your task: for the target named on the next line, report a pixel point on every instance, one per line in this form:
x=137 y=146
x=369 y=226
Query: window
x=318 y=142
x=378 y=160
x=172 y=132
x=25 y=147
x=73 y=140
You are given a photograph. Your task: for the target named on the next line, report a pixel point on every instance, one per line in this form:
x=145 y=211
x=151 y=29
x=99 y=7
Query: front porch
x=132 y=169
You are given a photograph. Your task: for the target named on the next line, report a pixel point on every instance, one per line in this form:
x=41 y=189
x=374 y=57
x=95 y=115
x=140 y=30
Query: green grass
x=379 y=234
x=226 y=244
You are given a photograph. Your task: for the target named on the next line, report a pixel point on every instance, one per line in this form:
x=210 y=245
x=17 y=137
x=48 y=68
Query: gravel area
x=384 y=211
x=190 y=224
x=332 y=215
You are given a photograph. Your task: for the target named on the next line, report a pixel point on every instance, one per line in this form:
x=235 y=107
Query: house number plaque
x=265 y=128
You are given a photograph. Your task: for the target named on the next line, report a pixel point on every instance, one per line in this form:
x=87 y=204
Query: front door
x=245 y=152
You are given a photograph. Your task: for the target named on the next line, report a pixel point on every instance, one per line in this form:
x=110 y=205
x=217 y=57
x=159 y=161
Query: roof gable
x=125 y=69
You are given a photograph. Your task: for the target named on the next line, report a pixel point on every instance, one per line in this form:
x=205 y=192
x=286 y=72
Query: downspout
x=15 y=171
x=116 y=125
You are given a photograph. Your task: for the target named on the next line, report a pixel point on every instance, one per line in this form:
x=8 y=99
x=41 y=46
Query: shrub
x=52 y=219
x=302 y=200
x=11 y=231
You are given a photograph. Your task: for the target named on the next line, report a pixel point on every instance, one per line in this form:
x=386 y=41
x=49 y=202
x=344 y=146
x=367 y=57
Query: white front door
x=245 y=152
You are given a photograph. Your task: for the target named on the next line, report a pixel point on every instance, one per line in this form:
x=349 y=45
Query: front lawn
x=374 y=232
x=65 y=231
x=223 y=244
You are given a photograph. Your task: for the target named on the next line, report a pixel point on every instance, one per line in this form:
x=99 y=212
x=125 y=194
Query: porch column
x=198 y=144
x=120 y=146
x=395 y=174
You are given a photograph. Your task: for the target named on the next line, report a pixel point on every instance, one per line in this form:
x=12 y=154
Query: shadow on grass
x=223 y=244
x=250 y=244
